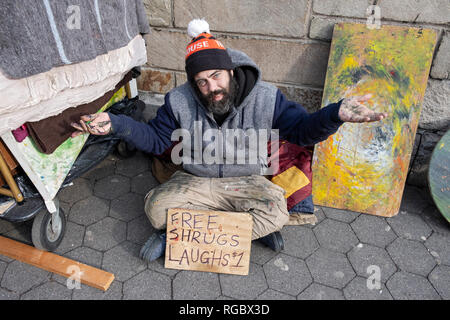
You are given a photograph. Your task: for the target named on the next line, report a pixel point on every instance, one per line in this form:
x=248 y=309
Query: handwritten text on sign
x=211 y=241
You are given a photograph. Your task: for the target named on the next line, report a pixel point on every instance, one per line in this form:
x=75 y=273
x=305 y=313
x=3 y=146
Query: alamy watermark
x=374 y=280
x=374 y=17
x=227 y=146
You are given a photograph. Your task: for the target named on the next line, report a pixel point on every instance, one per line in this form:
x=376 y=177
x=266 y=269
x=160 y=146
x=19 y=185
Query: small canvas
x=363 y=167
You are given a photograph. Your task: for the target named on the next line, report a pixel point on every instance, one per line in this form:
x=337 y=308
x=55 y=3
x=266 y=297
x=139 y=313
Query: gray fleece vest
x=236 y=148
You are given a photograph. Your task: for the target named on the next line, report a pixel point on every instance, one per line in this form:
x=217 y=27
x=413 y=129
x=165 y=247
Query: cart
x=33 y=193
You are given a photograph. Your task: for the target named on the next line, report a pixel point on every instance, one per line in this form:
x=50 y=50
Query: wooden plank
x=210 y=241
x=54 y=263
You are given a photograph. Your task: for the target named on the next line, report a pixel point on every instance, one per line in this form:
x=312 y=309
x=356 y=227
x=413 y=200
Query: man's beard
x=226 y=104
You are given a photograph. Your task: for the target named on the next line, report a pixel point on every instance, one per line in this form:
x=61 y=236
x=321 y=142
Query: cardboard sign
x=210 y=241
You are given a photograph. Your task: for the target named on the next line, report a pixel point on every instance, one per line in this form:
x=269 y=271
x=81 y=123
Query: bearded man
x=224 y=94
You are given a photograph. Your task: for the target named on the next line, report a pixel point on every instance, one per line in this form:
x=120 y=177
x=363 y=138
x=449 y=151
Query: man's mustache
x=211 y=95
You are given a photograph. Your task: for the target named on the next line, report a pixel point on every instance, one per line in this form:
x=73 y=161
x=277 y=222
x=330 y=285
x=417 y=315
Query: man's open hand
x=353 y=110
x=97 y=123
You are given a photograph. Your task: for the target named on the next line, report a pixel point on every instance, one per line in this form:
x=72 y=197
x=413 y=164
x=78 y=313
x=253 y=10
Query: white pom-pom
x=196 y=27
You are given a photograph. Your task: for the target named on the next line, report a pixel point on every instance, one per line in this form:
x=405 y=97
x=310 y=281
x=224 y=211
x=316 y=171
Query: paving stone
x=132 y=166
x=89 y=210
x=86 y=292
x=435 y=220
x=5 y=258
x=270 y=294
x=330 y=268
x=263 y=17
x=139 y=230
x=48 y=291
x=336 y=235
x=320 y=292
x=81 y=189
x=123 y=261
x=8 y=295
x=158 y=266
x=409 y=226
x=127 y=207
x=411 y=256
x=373 y=230
x=408 y=286
x=87 y=256
x=148 y=285
x=439 y=247
x=103 y=169
x=105 y=234
x=287 y=274
x=143 y=183
x=21 y=233
x=196 y=285
x=363 y=256
x=358 y=289
x=340 y=215
x=417 y=11
x=413 y=200
x=299 y=241
x=346 y=8
x=112 y=187
x=247 y=287
x=73 y=238
x=440 y=278
x=441 y=62
x=20 y=277
x=260 y=253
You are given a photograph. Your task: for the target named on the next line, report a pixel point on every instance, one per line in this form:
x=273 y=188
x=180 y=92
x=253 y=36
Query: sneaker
x=274 y=241
x=154 y=247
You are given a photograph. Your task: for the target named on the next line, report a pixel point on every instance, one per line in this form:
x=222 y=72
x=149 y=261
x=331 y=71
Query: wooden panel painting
x=363 y=167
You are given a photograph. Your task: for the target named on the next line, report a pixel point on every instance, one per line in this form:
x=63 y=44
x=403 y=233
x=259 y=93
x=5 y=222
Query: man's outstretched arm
x=298 y=126
x=153 y=137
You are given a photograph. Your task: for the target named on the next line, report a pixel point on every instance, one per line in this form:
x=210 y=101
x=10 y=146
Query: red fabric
x=293 y=155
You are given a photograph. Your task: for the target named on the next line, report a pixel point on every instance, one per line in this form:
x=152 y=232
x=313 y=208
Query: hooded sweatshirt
x=235 y=147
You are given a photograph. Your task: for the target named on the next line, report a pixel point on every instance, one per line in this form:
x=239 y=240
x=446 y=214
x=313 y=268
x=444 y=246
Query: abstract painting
x=363 y=167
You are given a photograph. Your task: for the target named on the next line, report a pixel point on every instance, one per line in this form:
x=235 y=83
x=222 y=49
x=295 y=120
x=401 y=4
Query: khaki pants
x=251 y=194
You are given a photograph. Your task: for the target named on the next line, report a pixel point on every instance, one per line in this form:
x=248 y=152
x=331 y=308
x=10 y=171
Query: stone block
x=343 y=8
x=286 y=61
x=436 y=112
x=262 y=17
x=105 y=234
x=303 y=63
x=440 y=278
x=309 y=98
x=155 y=81
x=159 y=12
x=436 y=11
x=299 y=241
x=441 y=62
x=123 y=261
x=357 y=289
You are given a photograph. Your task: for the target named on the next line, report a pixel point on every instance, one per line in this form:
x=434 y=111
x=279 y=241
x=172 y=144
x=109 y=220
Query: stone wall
x=290 y=41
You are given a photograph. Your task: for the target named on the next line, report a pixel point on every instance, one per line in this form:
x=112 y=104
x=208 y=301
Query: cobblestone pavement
x=335 y=259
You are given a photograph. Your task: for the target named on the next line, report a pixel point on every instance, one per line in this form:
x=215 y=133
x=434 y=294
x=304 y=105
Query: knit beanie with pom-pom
x=204 y=52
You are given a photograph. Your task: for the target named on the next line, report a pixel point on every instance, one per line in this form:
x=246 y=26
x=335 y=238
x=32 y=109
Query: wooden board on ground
x=54 y=263
x=210 y=241
x=439 y=175
x=363 y=166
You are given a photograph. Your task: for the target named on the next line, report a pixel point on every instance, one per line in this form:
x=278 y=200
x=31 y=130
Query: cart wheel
x=125 y=150
x=43 y=235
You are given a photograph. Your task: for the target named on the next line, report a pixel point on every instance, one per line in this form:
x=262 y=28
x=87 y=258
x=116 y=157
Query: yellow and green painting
x=363 y=167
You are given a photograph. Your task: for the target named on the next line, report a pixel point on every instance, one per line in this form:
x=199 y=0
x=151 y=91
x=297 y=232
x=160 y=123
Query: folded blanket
x=37 y=35
x=49 y=93
x=49 y=133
